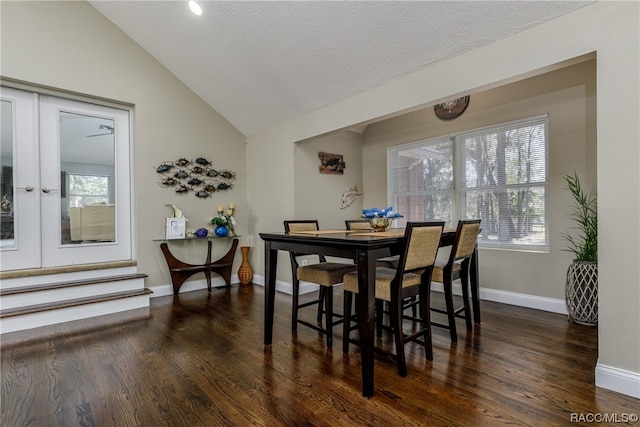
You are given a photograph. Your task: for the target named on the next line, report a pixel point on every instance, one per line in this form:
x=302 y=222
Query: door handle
x=48 y=190
x=28 y=188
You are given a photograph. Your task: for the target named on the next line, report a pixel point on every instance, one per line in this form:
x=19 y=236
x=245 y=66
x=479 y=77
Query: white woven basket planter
x=581 y=292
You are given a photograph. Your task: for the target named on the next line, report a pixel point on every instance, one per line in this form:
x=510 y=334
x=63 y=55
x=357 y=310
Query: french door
x=65 y=182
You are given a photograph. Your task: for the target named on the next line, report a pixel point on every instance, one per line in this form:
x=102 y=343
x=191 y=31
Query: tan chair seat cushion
x=383 y=282
x=325 y=273
x=438 y=270
x=389 y=262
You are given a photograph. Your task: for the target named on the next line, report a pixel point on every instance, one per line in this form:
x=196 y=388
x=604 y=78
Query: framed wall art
x=331 y=163
x=176 y=228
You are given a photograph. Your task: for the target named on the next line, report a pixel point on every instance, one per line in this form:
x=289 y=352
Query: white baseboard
x=191 y=285
x=619 y=380
x=552 y=305
x=522 y=300
x=287 y=287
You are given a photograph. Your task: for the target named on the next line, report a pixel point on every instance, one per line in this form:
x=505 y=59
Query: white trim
x=552 y=305
x=287 y=287
x=512 y=298
x=619 y=380
x=191 y=285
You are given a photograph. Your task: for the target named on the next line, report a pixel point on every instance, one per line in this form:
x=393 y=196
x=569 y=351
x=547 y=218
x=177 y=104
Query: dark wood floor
x=198 y=360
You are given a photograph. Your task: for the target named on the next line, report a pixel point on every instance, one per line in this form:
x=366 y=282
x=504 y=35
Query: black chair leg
x=346 y=325
x=328 y=302
x=448 y=297
x=464 y=280
x=414 y=309
x=294 y=309
x=396 y=322
x=425 y=314
x=321 y=296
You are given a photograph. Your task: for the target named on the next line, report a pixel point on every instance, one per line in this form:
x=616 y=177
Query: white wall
x=610 y=29
x=69 y=46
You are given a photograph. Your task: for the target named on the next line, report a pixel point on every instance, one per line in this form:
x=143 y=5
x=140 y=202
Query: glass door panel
x=20 y=203
x=85 y=207
x=6 y=174
x=87 y=165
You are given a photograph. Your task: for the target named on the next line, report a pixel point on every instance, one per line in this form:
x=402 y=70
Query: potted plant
x=224 y=224
x=581 y=291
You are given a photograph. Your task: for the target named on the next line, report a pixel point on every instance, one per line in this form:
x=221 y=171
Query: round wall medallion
x=451 y=108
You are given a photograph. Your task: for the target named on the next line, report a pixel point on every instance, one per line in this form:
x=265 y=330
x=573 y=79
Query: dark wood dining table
x=364 y=248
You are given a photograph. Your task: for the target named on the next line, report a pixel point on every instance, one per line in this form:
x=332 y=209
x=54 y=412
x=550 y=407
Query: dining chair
x=325 y=274
x=364 y=225
x=455 y=267
x=411 y=278
x=390 y=262
x=357 y=224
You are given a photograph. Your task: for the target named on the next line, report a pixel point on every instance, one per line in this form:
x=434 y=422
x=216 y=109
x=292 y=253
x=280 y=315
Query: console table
x=181 y=271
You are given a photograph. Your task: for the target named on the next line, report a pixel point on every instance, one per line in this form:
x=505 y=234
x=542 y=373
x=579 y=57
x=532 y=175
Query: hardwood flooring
x=198 y=360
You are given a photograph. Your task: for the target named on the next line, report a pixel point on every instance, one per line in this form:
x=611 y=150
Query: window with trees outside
x=88 y=189
x=497 y=174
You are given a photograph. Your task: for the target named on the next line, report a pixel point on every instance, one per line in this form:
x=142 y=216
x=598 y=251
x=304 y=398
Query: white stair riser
x=51 y=317
x=61 y=294
x=18 y=282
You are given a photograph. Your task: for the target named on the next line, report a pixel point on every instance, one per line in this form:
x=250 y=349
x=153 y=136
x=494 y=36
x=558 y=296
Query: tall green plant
x=585 y=213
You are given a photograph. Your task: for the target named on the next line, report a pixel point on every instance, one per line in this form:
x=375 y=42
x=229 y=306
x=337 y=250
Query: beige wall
x=568 y=97
x=317 y=196
x=610 y=29
x=70 y=46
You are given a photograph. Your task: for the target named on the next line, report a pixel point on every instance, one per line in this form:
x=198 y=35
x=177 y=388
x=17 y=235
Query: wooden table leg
x=270 y=269
x=366 y=317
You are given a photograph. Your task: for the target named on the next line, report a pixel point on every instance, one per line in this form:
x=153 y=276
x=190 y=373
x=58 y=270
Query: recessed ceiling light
x=195 y=7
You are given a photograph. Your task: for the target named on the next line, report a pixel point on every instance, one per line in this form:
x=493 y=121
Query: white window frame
x=458 y=192
x=105 y=198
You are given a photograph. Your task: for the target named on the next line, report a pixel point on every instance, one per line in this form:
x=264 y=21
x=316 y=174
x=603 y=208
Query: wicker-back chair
x=326 y=274
x=411 y=278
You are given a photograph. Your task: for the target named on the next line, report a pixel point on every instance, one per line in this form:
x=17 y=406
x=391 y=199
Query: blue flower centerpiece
x=380 y=219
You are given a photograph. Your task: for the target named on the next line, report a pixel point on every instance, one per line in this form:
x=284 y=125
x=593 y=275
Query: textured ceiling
x=265 y=62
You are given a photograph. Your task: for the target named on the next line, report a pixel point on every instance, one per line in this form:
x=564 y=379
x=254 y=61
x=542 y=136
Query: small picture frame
x=176 y=228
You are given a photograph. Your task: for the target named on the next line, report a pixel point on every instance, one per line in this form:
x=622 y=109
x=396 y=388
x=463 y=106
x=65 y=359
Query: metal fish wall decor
x=183 y=175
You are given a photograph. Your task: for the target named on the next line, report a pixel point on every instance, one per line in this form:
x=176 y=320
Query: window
x=497 y=174
x=88 y=190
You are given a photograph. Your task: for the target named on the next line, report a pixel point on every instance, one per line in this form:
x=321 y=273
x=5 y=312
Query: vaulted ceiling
x=260 y=63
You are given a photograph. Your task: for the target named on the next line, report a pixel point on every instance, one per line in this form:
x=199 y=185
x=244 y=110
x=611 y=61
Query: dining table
x=364 y=248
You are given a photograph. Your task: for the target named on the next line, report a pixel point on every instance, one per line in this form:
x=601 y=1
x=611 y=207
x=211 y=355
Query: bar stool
x=457 y=267
x=326 y=274
x=411 y=278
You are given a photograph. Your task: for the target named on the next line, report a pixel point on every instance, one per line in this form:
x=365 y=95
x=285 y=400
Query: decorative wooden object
x=245 y=272
x=331 y=163
x=181 y=271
